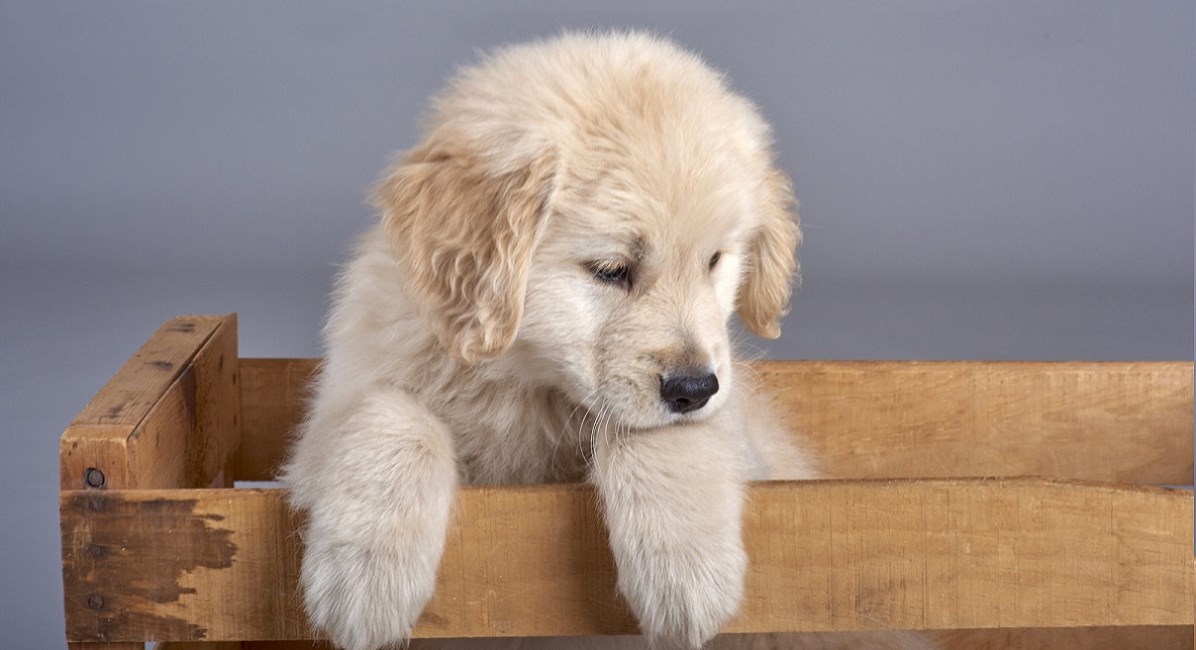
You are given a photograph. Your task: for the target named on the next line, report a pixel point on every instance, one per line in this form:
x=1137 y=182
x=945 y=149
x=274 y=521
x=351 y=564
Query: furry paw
x=365 y=597
x=684 y=591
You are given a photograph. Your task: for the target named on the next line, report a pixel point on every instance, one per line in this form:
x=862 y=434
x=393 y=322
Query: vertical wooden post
x=169 y=418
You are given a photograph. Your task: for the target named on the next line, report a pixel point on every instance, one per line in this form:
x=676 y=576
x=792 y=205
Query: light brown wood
x=221 y=565
x=274 y=392
x=1127 y=422
x=837 y=555
x=1173 y=637
x=170 y=417
x=201 y=645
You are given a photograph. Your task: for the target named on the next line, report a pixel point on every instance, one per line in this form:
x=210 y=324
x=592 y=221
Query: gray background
x=998 y=180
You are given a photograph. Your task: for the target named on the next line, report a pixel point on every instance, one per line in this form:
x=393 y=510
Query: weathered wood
x=203 y=645
x=1099 y=421
x=837 y=555
x=274 y=392
x=170 y=417
x=1175 y=637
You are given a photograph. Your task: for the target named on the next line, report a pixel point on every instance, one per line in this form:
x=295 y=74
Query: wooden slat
x=277 y=390
x=828 y=555
x=170 y=417
x=1099 y=421
x=1174 y=637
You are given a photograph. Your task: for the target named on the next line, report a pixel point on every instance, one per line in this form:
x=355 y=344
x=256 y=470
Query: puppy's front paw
x=682 y=591
x=365 y=597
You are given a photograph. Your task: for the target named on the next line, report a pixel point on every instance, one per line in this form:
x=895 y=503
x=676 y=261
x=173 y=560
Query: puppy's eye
x=714 y=260
x=611 y=272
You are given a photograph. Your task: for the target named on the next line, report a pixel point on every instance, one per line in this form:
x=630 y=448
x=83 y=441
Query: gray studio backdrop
x=979 y=180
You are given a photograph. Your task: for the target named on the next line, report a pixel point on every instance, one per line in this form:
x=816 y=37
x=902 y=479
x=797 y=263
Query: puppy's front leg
x=377 y=480
x=673 y=502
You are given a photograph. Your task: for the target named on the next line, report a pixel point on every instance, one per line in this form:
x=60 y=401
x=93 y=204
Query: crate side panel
x=1103 y=421
x=839 y=555
x=1100 y=421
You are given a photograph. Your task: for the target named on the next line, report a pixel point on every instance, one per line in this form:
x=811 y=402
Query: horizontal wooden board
x=1175 y=637
x=1100 y=421
x=532 y=561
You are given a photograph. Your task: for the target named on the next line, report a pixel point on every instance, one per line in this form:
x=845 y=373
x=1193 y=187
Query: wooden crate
x=919 y=533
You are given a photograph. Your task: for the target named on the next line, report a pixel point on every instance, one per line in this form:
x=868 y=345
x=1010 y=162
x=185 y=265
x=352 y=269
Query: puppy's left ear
x=772 y=266
x=463 y=232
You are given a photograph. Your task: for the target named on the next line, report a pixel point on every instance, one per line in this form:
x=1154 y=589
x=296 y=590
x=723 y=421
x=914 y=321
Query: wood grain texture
x=1174 y=637
x=277 y=391
x=1100 y=421
x=221 y=565
x=170 y=417
x=1124 y=422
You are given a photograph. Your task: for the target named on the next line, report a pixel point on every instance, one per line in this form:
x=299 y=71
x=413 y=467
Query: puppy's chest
x=522 y=438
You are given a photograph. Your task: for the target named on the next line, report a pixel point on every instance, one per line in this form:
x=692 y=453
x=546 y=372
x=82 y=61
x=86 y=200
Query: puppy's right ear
x=463 y=234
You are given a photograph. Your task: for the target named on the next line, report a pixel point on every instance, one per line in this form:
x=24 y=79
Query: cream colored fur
x=471 y=339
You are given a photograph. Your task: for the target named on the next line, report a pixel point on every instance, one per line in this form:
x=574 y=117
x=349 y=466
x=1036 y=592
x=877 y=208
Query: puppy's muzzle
x=685 y=392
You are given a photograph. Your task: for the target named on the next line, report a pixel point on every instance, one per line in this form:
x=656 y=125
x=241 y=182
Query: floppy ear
x=464 y=236
x=771 y=259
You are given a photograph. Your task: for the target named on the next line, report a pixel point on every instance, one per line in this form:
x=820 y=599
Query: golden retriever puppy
x=547 y=298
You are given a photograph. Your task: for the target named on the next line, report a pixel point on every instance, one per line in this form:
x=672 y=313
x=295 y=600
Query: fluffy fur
x=483 y=334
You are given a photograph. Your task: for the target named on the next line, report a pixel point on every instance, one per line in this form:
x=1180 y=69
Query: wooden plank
x=200 y=645
x=277 y=390
x=1158 y=637
x=532 y=561
x=1099 y=421
x=193 y=431
x=170 y=417
x=1174 y=637
x=98 y=436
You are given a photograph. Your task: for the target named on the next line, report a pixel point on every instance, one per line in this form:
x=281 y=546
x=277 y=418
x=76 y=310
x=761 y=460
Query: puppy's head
x=590 y=211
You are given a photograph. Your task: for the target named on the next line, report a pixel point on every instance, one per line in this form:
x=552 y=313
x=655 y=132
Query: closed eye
x=714 y=260
x=611 y=272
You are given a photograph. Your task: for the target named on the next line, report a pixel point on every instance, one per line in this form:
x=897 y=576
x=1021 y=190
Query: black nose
x=685 y=393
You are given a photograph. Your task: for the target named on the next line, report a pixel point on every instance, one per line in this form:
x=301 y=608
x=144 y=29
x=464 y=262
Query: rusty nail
x=95 y=601
x=94 y=477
